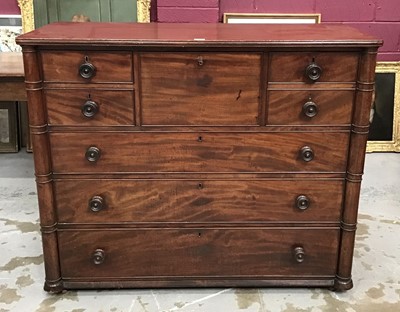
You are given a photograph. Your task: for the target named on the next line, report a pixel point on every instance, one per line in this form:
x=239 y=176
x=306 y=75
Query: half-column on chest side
x=221 y=156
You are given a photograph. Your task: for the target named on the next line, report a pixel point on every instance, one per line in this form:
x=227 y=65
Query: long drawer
x=111 y=201
x=198 y=252
x=102 y=152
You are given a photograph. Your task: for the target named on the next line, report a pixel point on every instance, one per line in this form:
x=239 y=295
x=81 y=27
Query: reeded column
x=358 y=143
x=43 y=169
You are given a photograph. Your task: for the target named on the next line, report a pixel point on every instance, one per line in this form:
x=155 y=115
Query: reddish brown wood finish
x=199 y=152
x=194 y=201
x=200 y=163
x=291 y=67
x=44 y=183
x=358 y=142
x=165 y=35
x=12 y=86
x=115 y=107
x=334 y=107
x=59 y=66
x=223 y=88
x=198 y=252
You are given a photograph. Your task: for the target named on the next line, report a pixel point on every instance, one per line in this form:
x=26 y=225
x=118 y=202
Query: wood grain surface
x=63 y=66
x=199 y=35
x=12 y=86
x=198 y=201
x=198 y=252
x=291 y=66
x=176 y=90
x=286 y=107
x=202 y=152
x=115 y=107
x=200 y=132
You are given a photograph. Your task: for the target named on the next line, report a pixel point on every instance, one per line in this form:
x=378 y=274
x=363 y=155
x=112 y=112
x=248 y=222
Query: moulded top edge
x=165 y=34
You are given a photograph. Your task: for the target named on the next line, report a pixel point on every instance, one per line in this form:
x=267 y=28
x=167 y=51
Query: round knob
x=89 y=109
x=200 y=61
x=92 y=154
x=87 y=70
x=310 y=109
x=313 y=71
x=299 y=254
x=96 y=203
x=98 y=256
x=307 y=153
x=302 y=202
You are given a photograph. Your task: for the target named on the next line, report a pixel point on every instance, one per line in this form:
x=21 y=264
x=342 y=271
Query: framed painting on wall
x=8 y=127
x=37 y=13
x=384 y=134
x=255 y=18
x=10 y=28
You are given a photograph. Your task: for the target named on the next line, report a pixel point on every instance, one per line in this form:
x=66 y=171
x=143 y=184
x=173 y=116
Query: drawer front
x=90 y=107
x=292 y=67
x=108 y=66
x=107 y=201
x=206 y=152
x=309 y=107
x=200 y=88
x=197 y=252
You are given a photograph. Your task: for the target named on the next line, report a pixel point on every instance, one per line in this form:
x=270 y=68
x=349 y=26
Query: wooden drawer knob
x=302 y=202
x=93 y=154
x=96 y=203
x=299 y=254
x=200 y=61
x=307 y=154
x=90 y=109
x=87 y=70
x=313 y=71
x=310 y=109
x=98 y=256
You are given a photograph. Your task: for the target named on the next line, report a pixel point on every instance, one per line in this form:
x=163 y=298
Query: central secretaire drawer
x=200 y=88
x=107 y=152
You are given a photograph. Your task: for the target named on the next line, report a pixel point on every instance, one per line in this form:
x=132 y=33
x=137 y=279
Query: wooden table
x=12 y=87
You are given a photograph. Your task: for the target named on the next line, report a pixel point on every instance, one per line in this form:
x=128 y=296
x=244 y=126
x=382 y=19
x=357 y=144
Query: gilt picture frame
x=10 y=28
x=8 y=128
x=28 y=21
x=384 y=134
x=256 y=18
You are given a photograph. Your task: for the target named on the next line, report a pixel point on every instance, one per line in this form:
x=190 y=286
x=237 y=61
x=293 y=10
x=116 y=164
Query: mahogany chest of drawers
x=198 y=155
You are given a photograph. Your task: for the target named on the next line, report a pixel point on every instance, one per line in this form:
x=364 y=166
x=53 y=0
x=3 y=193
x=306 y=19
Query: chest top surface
x=155 y=34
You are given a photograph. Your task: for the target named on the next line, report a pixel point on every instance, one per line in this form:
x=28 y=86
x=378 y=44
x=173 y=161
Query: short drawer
x=301 y=67
x=120 y=253
x=103 y=152
x=90 y=107
x=200 y=88
x=310 y=107
x=138 y=201
x=81 y=67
